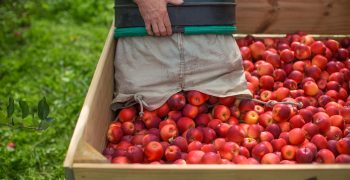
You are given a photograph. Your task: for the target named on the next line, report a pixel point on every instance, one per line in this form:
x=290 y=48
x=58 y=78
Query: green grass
x=47 y=48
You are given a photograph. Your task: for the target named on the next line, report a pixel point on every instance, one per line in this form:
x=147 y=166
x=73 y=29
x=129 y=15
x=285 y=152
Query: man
x=149 y=70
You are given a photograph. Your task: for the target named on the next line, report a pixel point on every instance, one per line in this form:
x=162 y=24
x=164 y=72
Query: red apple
x=168 y=132
x=127 y=114
x=320 y=61
x=318 y=47
x=221 y=112
x=325 y=156
x=287 y=56
x=172 y=153
x=257 y=49
x=184 y=124
x=343 y=146
x=320 y=141
x=304 y=155
x=310 y=88
x=135 y=154
x=196 y=98
x=281 y=112
x=195 y=157
x=270 y=158
x=310 y=130
x=177 y=101
x=235 y=134
x=288 y=152
x=296 y=136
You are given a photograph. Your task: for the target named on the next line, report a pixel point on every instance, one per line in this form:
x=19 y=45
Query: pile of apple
x=196 y=128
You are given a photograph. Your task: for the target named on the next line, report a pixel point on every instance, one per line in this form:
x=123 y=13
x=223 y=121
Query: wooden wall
x=286 y=16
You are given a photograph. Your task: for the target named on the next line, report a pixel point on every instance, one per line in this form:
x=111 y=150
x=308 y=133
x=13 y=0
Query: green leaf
x=10 y=107
x=43 y=109
x=24 y=108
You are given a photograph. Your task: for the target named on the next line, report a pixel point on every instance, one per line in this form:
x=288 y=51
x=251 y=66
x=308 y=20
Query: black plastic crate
x=190 y=13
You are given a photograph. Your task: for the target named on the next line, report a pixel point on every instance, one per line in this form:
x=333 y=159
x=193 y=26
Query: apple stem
x=272 y=103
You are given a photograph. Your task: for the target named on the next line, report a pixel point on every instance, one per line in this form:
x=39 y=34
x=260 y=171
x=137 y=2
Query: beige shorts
x=154 y=68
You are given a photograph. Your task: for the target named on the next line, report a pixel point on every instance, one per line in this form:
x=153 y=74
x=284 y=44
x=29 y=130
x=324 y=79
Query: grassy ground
x=47 y=48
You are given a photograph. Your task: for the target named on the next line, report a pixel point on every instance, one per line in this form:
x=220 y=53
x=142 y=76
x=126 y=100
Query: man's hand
x=155 y=15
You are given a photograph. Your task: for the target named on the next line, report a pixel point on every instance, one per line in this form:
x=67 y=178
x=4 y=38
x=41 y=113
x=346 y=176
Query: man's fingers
x=148 y=28
x=167 y=24
x=175 y=2
x=162 y=29
x=155 y=28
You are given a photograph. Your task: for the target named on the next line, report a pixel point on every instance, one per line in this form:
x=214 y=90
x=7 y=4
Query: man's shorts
x=155 y=68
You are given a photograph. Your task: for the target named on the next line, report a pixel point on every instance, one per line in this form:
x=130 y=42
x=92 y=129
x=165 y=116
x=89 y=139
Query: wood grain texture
x=87 y=154
x=287 y=16
x=94 y=110
x=210 y=172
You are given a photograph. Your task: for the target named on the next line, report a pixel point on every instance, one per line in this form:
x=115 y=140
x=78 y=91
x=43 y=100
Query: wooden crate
x=85 y=161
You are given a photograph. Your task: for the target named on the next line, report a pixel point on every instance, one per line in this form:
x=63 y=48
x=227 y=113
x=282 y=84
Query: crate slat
x=287 y=16
x=209 y=172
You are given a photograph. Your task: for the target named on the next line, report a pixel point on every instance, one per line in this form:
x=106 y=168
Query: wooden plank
x=87 y=154
x=209 y=172
x=89 y=105
x=287 y=16
x=100 y=111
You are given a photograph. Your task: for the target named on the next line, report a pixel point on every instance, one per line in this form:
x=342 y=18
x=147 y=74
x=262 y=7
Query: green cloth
x=189 y=30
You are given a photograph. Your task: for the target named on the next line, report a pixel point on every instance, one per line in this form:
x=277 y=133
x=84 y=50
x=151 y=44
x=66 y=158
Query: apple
x=310 y=88
x=343 y=159
x=135 y=154
x=177 y=101
x=278 y=143
x=320 y=141
x=227 y=101
x=318 y=47
x=310 y=130
x=235 y=134
x=172 y=153
x=127 y=114
x=259 y=151
x=281 y=112
x=320 y=61
x=184 y=124
x=221 y=112
x=175 y=115
x=251 y=117
x=304 y=155
x=190 y=111
x=169 y=131
x=288 y=152
x=115 y=133
x=245 y=52
x=325 y=156
x=120 y=160
x=196 y=98
x=290 y=84
x=229 y=150
x=270 y=158
x=343 y=146
x=195 y=157
x=296 y=136
x=265 y=119
x=302 y=52
x=180 y=142
x=194 y=145
x=266 y=82
x=313 y=72
x=209 y=135
x=257 y=49
x=332 y=44
x=287 y=55
x=334 y=133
